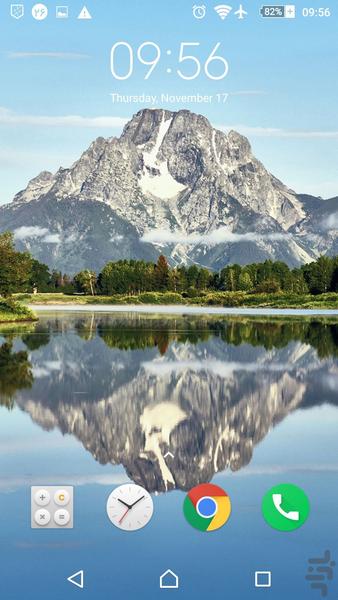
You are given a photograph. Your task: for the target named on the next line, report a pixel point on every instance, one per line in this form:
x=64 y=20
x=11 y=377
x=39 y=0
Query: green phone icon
x=285 y=507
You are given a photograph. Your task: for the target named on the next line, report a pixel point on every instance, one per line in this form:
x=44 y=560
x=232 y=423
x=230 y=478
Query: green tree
x=203 y=279
x=15 y=267
x=162 y=273
x=318 y=275
x=56 y=280
x=85 y=282
x=244 y=282
x=40 y=276
x=230 y=276
x=192 y=275
x=268 y=286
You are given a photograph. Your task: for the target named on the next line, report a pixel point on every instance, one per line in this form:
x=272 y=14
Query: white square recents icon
x=263 y=579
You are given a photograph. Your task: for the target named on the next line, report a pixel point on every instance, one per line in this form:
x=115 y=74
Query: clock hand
x=139 y=500
x=125 y=503
x=124 y=514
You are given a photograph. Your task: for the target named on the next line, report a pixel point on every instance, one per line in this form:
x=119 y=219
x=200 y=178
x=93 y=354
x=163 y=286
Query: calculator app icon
x=52 y=507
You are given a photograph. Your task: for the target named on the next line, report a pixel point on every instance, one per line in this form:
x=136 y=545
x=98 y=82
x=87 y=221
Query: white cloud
x=218 y=236
x=53 y=365
x=8 y=117
x=331 y=222
x=216 y=367
x=331 y=382
x=10 y=484
x=39 y=372
x=280 y=470
x=250 y=131
x=22 y=233
x=52 y=238
x=62 y=55
x=29 y=232
x=46 y=368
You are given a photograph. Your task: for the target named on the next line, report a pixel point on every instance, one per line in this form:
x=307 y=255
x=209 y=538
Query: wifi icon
x=223 y=10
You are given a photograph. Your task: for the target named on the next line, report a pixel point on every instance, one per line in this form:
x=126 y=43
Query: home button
x=169 y=580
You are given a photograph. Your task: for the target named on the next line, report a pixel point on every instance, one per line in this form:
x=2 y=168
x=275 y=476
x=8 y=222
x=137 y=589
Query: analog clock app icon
x=207 y=507
x=130 y=507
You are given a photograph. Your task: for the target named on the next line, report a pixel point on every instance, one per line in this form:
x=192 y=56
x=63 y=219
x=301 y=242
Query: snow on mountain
x=169 y=174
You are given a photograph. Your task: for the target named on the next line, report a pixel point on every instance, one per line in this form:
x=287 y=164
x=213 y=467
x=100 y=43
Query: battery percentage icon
x=279 y=11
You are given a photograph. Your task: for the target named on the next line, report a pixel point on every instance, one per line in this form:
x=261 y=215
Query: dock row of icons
x=206 y=507
x=40 y=12
x=286 y=11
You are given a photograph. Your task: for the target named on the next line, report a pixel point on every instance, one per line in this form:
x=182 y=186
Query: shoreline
x=180 y=309
x=18 y=321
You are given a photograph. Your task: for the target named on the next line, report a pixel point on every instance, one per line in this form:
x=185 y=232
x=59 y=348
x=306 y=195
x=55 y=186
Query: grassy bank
x=15 y=312
x=226 y=299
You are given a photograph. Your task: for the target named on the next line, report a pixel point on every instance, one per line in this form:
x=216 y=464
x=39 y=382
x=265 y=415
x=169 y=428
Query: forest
x=20 y=272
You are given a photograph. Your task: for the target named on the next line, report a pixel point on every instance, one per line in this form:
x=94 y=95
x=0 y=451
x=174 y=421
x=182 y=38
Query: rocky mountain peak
x=37 y=187
x=173 y=174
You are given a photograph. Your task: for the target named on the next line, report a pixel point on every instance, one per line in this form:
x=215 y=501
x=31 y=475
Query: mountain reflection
x=131 y=388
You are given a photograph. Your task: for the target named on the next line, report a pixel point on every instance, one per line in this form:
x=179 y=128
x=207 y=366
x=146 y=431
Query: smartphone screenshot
x=168 y=300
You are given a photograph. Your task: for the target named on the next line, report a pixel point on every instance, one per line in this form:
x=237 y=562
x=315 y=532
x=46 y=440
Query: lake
x=95 y=400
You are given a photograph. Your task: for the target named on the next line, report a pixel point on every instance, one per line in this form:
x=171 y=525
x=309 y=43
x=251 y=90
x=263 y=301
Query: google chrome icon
x=207 y=507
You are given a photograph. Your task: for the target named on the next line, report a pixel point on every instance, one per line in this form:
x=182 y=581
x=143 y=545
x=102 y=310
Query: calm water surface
x=95 y=400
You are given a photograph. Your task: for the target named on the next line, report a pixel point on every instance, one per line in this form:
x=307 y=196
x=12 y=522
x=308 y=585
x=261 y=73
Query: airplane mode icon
x=241 y=13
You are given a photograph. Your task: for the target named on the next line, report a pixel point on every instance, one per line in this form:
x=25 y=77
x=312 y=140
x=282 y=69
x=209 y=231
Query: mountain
x=170 y=184
x=208 y=401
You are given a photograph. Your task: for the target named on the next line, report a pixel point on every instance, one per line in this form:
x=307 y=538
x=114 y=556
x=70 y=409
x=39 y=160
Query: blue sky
x=56 y=84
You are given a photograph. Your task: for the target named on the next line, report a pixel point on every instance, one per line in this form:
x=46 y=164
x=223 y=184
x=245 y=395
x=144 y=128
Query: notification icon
x=17 y=11
x=39 y=12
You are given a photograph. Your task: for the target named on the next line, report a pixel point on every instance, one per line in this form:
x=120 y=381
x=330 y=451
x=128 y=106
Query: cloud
x=22 y=233
x=39 y=372
x=331 y=222
x=218 y=236
x=10 y=484
x=46 y=368
x=331 y=382
x=281 y=469
x=53 y=365
x=62 y=55
x=250 y=131
x=216 y=367
x=8 y=117
x=52 y=238
x=29 y=232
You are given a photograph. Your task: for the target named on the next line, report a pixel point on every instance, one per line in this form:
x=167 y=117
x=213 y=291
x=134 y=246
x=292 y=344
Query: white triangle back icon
x=77 y=579
x=85 y=14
